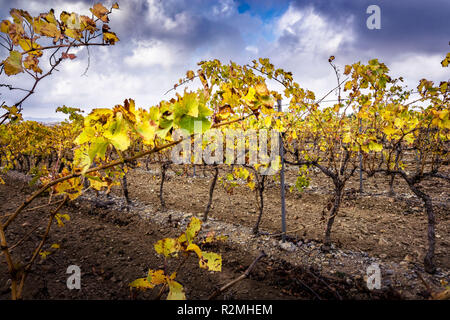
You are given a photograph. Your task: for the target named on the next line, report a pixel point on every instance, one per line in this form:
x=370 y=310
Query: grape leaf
x=176 y=291
x=141 y=284
x=211 y=261
x=13 y=64
x=167 y=247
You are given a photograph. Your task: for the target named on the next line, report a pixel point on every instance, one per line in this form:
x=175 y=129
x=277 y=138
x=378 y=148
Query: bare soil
x=114 y=246
x=390 y=227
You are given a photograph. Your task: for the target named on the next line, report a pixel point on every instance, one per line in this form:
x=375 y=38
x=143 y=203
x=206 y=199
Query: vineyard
x=227 y=190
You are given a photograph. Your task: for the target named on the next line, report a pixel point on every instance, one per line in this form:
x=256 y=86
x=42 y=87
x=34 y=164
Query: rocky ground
x=115 y=246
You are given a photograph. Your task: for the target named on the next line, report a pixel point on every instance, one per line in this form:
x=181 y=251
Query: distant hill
x=49 y=120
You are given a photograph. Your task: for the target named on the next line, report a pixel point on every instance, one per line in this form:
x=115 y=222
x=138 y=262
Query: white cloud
x=407 y=66
x=288 y=20
x=36 y=7
x=224 y=8
x=252 y=49
x=313 y=32
x=155 y=53
x=305 y=41
x=170 y=36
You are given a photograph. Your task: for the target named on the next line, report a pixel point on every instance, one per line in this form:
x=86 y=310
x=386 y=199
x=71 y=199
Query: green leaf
x=98 y=148
x=187 y=123
x=188 y=105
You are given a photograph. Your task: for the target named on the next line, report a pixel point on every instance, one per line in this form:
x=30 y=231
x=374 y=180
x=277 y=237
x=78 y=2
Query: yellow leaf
x=409 y=138
x=50 y=30
x=261 y=89
x=27 y=45
x=4 y=26
x=250 y=97
x=44 y=254
x=173 y=276
x=195 y=248
x=13 y=64
x=167 y=247
x=176 y=291
x=190 y=74
x=141 y=284
x=348 y=85
x=64 y=216
x=98 y=184
x=156 y=277
x=75 y=34
x=191 y=231
x=50 y=17
x=347 y=70
x=100 y=12
x=399 y=122
x=374 y=146
x=347 y=137
x=118 y=134
x=389 y=130
x=110 y=37
x=211 y=261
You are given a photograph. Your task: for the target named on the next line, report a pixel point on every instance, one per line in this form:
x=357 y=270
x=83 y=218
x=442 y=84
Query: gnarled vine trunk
x=211 y=192
x=260 y=198
x=338 y=192
x=164 y=167
x=429 y=259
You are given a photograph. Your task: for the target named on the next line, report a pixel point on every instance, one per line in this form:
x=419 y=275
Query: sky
x=161 y=39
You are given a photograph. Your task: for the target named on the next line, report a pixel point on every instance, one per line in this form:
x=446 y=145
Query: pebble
x=387 y=282
x=288 y=246
x=389 y=272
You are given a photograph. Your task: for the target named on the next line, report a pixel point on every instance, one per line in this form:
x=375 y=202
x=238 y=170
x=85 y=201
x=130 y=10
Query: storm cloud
x=160 y=40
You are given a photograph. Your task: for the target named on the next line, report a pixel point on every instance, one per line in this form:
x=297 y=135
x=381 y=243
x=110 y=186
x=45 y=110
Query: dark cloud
x=223 y=29
x=413 y=26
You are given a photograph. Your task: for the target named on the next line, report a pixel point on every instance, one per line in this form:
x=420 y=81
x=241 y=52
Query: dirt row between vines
x=113 y=247
x=391 y=228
